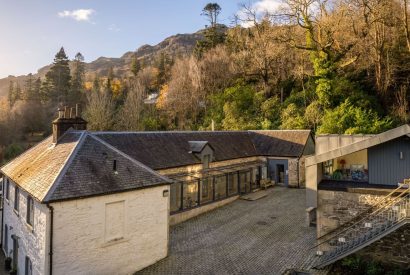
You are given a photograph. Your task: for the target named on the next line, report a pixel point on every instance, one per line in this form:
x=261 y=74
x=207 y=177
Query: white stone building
x=85 y=202
x=75 y=205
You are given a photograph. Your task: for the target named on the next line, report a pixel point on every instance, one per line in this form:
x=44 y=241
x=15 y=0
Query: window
x=114 y=221
x=30 y=210
x=114 y=165
x=7 y=189
x=220 y=187
x=6 y=239
x=190 y=194
x=16 y=198
x=328 y=167
x=206 y=190
x=207 y=159
x=28 y=267
x=176 y=196
x=232 y=184
x=264 y=172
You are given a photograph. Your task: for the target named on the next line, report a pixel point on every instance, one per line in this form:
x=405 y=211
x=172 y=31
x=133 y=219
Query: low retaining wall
x=186 y=215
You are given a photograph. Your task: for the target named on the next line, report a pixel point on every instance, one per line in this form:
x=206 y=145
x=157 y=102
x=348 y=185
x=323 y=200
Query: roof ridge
x=164 y=132
x=130 y=158
x=65 y=167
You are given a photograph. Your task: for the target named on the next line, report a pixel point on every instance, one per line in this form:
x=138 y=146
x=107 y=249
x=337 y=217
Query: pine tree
x=135 y=65
x=161 y=76
x=29 y=88
x=77 y=80
x=214 y=34
x=11 y=94
x=58 y=79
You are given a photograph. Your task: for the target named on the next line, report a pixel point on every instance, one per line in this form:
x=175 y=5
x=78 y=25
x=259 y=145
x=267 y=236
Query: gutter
x=2 y=212
x=298 y=163
x=50 y=253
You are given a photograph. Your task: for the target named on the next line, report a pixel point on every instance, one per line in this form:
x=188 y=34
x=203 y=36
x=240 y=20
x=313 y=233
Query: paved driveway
x=266 y=236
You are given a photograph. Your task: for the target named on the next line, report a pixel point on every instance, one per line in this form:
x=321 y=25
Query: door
x=277 y=171
x=280 y=173
x=15 y=252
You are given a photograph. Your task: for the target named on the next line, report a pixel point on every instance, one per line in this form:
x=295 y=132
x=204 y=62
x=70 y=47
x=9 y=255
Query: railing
x=387 y=214
x=377 y=206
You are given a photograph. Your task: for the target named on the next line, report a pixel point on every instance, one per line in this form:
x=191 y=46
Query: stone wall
x=32 y=240
x=302 y=174
x=338 y=207
x=113 y=234
x=296 y=170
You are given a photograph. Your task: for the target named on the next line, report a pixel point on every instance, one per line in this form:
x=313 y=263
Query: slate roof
x=280 y=143
x=160 y=150
x=36 y=169
x=91 y=172
x=81 y=164
x=197 y=146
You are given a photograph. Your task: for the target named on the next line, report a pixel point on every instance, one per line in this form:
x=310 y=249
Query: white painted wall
x=32 y=240
x=81 y=242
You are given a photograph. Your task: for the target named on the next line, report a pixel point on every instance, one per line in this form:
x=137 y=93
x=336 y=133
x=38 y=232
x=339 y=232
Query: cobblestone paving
x=266 y=236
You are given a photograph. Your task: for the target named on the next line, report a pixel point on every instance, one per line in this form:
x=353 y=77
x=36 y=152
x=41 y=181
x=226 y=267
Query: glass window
x=220 y=187
x=28 y=267
x=7 y=189
x=206 y=190
x=232 y=184
x=175 y=196
x=16 y=198
x=207 y=159
x=328 y=167
x=30 y=210
x=190 y=193
x=6 y=239
x=264 y=172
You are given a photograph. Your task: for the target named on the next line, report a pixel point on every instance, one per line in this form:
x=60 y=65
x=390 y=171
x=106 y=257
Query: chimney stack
x=67 y=120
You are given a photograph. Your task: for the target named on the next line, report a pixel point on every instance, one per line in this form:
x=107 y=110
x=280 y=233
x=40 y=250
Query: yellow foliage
x=88 y=86
x=162 y=96
x=116 y=87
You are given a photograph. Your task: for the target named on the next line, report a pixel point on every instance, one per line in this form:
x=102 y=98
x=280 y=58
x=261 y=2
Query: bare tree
x=100 y=111
x=130 y=117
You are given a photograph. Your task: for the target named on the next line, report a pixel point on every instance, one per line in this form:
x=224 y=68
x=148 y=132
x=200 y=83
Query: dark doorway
x=280 y=173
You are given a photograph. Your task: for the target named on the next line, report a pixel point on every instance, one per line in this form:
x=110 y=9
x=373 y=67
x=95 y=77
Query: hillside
x=174 y=46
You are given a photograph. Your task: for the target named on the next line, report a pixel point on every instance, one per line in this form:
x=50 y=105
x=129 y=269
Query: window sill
x=30 y=227
x=114 y=242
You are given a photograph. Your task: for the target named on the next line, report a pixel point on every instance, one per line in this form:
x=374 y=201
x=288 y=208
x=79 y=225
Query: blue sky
x=33 y=31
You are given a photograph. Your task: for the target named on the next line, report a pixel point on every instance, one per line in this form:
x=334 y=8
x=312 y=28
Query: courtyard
x=265 y=236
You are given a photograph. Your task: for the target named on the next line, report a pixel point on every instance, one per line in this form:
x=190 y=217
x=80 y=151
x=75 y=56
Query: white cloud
x=259 y=8
x=77 y=15
x=113 y=28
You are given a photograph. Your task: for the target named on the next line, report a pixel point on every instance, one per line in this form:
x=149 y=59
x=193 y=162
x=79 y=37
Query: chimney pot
x=66 y=112
x=77 y=110
x=60 y=113
x=67 y=120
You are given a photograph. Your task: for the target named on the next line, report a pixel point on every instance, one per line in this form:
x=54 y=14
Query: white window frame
x=16 y=199
x=30 y=211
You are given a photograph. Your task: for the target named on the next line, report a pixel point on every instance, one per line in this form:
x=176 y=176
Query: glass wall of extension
x=208 y=188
